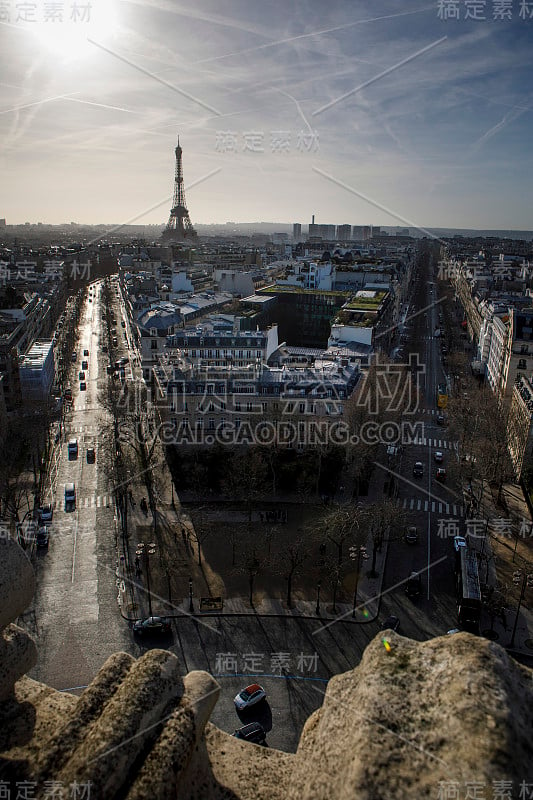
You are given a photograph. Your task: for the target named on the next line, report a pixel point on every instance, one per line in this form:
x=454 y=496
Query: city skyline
x=403 y=118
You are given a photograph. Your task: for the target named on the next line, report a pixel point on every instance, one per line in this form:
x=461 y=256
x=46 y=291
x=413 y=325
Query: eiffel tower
x=179 y=227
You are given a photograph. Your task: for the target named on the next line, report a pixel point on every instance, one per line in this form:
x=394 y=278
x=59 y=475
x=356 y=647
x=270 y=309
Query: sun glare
x=68 y=37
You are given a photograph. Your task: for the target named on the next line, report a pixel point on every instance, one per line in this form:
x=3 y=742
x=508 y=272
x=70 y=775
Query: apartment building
x=520 y=424
x=37 y=371
x=200 y=404
x=364 y=319
x=155 y=324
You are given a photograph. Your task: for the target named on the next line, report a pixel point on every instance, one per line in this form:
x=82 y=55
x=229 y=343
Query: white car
x=250 y=696
x=439 y=457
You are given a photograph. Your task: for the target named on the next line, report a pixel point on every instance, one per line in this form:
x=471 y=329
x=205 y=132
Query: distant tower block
x=179 y=227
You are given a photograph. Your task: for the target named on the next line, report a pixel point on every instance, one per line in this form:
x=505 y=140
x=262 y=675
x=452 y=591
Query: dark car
x=253 y=732
x=411 y=534
x=42 y=538
x=391 y=623
x=418 y=469
x=413 y=588
x=152 y=625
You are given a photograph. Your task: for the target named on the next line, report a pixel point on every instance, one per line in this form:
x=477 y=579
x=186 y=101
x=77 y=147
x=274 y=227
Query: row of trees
x=327 y=549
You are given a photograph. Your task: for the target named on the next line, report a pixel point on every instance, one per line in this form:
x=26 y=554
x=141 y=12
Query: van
x=73 y=448
x=68 y=394
x=70 y=496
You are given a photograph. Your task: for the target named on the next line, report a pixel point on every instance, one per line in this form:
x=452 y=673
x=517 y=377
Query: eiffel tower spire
x=179 y=226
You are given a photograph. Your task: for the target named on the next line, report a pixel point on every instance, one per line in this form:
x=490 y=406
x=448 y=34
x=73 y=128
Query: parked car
x=86 y=353
x=83 y=386
x=413 y=587
x=91 y=455
x=440 y=475
x=81 y=375
x=85 y=365
x=253 y=732
x=439 y=456
x=74 y=355
x=73 y=448
x=411 y=534
x=390 y=623
x=152 y=625
x=115 y=341
x=250 y=696
x=418 y=469
x=46 y=513
x=70 y=497
x=43 y=537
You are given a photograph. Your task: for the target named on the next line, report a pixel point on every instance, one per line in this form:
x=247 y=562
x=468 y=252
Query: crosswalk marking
x=436 y=444
x=91 y=501
x=417 y=504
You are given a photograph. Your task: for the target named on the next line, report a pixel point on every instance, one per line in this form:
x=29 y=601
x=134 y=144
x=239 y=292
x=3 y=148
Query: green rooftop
x=276 y=289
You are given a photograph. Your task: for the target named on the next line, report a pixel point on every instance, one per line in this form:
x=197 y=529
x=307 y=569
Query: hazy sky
x=357 y=111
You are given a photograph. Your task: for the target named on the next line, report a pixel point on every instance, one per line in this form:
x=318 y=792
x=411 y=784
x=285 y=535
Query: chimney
x=313 y=220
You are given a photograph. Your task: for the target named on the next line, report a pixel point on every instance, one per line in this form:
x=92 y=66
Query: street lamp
x=527 y=580
x=191 y=607
x=145 y=551
x=357 y=553
x=317 y=610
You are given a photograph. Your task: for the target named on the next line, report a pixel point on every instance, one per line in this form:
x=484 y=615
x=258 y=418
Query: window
x=153 y=344
x=302 y=408
x=237 y=405
x=153 y=331
x=522 y=364
x=211 y=424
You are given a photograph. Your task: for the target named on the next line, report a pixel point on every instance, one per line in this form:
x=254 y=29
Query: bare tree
x=379 y=520
x=340 y=524
x=295 y=555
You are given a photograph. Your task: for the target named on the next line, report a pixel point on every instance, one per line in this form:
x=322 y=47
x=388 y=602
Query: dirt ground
x=233 y=547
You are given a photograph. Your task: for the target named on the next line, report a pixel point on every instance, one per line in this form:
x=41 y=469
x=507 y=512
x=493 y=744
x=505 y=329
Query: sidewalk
x=506 y=555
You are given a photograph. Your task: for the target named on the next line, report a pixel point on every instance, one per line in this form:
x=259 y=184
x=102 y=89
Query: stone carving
x=410 y=715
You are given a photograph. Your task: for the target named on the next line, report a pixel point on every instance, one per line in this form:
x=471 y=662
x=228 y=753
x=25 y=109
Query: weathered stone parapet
x=17 y=584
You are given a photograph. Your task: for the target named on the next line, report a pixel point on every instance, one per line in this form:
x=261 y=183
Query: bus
x=442 y=395
x=468 y=590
